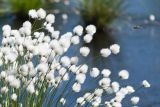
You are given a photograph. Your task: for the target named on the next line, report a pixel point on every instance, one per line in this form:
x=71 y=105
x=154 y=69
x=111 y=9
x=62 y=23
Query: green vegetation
x=21 y=7
x=100 y=12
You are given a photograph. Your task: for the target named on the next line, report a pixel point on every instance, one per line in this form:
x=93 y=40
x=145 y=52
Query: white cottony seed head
x=80 y=78
x=105 y=52
x=15 y=83
x=33 y=14
x=80 y=101
x=116 y=104
x=83 y=68
x=106 y=72
x=6 y=28
x=41 y=13
x=76 y=87
x=14 y=96
x=115 y=86
x=152 y=17
x=135 y=100
x=88 y=38
x=98 y=92
x=78 y=30
x=4 y=89
x=75 y=40
x=31 y=88
x=3 y=74
x=91 y=29
x=94 y=72
x=105 y=82
x=74 y=60
x=115 y=48
x=50 y=18
x=27 y=24
x=130 y=89
x=84 y=51
x=63 y=101
x=124 y=74
x=65 y=60
x=64 y=17
x=146 y=84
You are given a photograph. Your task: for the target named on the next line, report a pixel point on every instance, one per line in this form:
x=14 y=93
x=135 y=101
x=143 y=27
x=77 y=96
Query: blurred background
x=133 y=24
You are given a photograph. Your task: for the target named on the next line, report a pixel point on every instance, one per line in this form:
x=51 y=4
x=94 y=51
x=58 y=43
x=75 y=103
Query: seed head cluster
x=36 y=71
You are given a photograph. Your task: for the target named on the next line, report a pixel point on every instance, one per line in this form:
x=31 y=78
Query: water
x=140 y=48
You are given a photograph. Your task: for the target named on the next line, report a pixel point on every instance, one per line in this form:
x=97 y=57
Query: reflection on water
x=140 y=48
x=100 y=40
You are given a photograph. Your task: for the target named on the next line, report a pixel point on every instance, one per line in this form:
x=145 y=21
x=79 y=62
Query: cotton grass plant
x=35 y=67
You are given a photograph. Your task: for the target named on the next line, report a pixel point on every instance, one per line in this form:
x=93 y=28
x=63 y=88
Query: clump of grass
x=100 y=12
x=21 y=7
